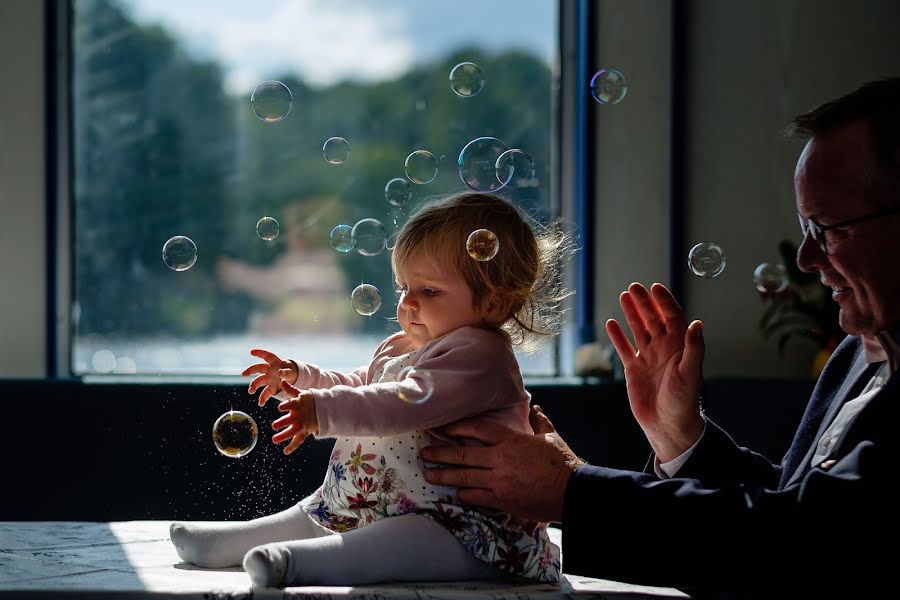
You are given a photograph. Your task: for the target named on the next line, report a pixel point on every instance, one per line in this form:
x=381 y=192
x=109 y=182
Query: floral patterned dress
x=370 y=478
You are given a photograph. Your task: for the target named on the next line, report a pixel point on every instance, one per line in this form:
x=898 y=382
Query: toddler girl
x=375 y=518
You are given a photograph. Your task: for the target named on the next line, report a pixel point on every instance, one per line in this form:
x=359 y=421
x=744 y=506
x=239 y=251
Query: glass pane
x=168 y=144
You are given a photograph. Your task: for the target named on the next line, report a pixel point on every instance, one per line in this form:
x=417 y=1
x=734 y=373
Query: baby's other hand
x=300 y=420
x=271 y=374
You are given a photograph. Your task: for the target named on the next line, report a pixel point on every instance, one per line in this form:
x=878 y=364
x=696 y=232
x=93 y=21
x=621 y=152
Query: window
x=165 y=142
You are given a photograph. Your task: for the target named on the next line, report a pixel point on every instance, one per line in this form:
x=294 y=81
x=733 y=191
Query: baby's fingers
x=296 y=442
x=290 y=389
x=283 y=436
x=257 y=383
x=267 y=356
x=256 y=368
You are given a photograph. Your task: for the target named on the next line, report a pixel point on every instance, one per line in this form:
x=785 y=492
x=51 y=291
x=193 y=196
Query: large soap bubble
x=179 y=253
x=235 y=433
x=397 y=191
x=706 y=259
x=369 y=237
x=515 y=168
x=341 y=238
x=365 y=299
x=466 y=79
x=421 y=166
x=336 y=150
x=482 y=245
x=608 y=86
x=770 y=278
x=267 y=228
x=271 y=101
x=478 y=164
x=423 y=389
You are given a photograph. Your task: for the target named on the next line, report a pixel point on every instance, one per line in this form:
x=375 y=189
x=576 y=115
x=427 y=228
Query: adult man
x=719 y=516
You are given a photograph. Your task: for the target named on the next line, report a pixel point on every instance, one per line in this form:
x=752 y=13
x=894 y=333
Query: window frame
x=569 y=190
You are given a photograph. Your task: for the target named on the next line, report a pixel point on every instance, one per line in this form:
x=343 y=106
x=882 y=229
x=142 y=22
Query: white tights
x=288 y=548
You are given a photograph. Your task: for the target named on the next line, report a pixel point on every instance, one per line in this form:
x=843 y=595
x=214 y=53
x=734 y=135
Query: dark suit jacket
x=732 y=520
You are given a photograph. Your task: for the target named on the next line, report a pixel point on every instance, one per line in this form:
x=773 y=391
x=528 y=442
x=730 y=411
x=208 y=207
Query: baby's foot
x=199 y=544
x=266 y=565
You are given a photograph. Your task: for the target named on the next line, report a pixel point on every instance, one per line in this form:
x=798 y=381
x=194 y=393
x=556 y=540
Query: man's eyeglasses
x=817 y=231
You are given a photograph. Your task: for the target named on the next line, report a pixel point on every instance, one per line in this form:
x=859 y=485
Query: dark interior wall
x=108 y=452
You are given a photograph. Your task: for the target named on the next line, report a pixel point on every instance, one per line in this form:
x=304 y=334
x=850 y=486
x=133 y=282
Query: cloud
x=322 y=41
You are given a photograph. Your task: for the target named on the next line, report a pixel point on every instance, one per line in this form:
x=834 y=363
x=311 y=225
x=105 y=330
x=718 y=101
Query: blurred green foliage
x=161 y=149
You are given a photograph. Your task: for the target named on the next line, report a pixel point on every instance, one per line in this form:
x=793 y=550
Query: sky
x=325 y=41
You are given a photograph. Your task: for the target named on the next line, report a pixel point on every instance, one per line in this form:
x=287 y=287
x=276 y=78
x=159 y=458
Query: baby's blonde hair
x=520 y=288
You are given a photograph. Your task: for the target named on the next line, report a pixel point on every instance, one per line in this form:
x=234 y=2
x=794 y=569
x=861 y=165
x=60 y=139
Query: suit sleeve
x=633 y=527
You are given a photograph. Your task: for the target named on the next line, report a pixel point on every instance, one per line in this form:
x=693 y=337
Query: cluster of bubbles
x=706 y=259
x=365 y=299
x=422 y=391
x=235 y=433
x=486 y=164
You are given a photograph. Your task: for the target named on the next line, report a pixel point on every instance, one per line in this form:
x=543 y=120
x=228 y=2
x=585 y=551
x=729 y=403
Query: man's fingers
x=539 y=422
x=620 y=342
x=486 y=431
x=671 y=310
x=466 y=478
x=634 y=320
x=692 y=360
x=466 y=456
x=647 y=309
x=479 y=497
x=267 y=356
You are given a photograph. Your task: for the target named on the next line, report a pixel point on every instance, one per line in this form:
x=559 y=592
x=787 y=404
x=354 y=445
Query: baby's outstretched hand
x=300 y=420
x=271 y=374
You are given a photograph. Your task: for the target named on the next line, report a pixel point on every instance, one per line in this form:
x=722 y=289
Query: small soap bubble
x=478 y=164
x=336 y=150
x=515 y=168
x=466 y=79
x=423 y=388
x=235 y=433
x=482 y=245
x=421 y=166
x=365 y=299
x=770 y=278
x=369 y=237
x=397 y=191
x=267 y=228
x=342 y=238
x=271 y=101
x=706 y=259
x=179 y=253
x=608 y=86
x=103 y=361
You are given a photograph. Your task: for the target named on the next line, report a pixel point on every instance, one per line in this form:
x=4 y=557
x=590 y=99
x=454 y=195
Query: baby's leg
x=216 y=544
x=406 y=548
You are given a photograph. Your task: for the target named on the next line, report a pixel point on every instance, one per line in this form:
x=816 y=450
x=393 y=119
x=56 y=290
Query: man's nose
x=810 y=257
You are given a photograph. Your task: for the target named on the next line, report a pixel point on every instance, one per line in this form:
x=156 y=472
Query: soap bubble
x=515 y=168
x=267 y=228
x=336 y=150
x=421 y=166
x=103 y=361
x=466 y=79
x=482 y=245
x=608 y=86
x=271 y=101
x=478 y=164
x=420 y=393
x=398 y=191
x=365 y=299
x=179 y=253
x=706 y=259
x=234 y=433
x=770 y=278
x=342 y=238
x=369 y=237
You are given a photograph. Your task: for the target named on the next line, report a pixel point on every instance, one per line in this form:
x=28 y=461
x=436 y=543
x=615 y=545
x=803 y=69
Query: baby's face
x=433 y=300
